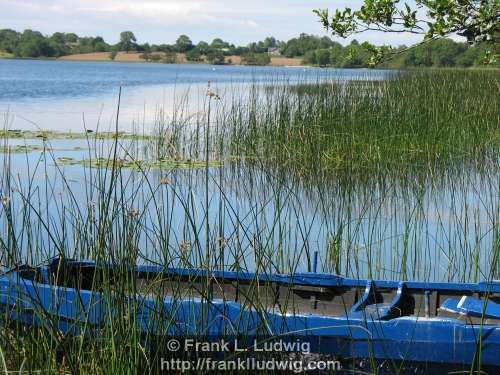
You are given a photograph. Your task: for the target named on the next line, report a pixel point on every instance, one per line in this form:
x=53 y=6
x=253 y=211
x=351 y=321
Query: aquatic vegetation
x=139 y=164
x=50 y=135
x=29 y=148
x=416 y=119
x=21 y=148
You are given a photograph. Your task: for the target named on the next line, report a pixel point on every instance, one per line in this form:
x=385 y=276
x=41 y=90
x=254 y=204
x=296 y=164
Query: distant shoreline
x=134 y=57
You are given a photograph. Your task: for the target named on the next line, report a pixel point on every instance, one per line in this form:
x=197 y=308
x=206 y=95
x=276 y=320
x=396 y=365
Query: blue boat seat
x=471 y=306
x=450 y=305
x=366 y=308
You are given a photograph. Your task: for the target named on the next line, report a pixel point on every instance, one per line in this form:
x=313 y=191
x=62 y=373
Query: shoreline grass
x=418 y=118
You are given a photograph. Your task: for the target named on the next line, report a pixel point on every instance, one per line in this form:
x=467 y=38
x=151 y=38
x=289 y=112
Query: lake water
x=380 y=229
x=57 y=95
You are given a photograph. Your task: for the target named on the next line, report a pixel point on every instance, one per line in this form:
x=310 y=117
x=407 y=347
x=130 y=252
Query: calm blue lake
x=60 y=95
x=30 y=79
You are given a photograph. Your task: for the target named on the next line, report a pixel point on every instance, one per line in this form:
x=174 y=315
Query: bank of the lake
x=135 y=57
x=138 y=57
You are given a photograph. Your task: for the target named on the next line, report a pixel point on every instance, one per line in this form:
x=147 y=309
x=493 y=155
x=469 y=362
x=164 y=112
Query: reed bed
x=394 y=179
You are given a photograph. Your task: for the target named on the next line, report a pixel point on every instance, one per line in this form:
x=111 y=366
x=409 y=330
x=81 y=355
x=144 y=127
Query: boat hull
x=355 y=334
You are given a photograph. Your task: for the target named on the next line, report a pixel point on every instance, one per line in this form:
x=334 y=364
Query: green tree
x=127 y=41
x=256 y=59
x=476 y=20
x=99 y=45
x=114 y=52
x=193 y=55
x=57 y=49
x=184 y=44
x=216 y=57
x=203 y=47
x=299 y=46
x=85 y=45
x=70 y=37
x=34 y=44
x=256 y=48
x=9 y=40
x=468 y=58
x=58 y=38
x=218 y=43
x=445 y=52
x=310 y=58
x=165 y=48
x=336 y=54
x=271 y=42
x=28 y=49
x=482 y=54
x=323 y=57
x=239 y=51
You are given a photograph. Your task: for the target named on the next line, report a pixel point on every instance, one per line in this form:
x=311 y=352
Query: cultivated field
x=181 y=58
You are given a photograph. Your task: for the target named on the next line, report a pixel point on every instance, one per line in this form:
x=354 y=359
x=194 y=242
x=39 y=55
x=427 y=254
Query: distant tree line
x=313 y=50
x=217 y=51
x=434 y=53
x=31 y=43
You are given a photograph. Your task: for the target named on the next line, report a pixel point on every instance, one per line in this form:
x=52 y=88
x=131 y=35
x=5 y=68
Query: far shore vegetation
x=305 y=49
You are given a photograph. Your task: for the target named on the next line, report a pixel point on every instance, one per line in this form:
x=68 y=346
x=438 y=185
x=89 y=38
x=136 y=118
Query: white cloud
x=152 y=9
x=160 y=21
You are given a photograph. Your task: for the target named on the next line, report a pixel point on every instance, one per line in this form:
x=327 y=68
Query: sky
x=162 y=21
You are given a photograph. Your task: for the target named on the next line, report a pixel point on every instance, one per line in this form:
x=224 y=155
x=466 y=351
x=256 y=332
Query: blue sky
x=161 y=21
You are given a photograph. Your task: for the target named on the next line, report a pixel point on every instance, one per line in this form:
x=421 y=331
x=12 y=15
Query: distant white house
x=274 y=51
x=72 y=44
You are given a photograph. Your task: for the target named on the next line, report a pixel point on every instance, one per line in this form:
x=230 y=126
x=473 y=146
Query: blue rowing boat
x=440 y=323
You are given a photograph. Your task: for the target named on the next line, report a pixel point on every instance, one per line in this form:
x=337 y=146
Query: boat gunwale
x=313 y=279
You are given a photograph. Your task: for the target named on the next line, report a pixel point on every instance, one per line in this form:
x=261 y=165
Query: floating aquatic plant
x=139 y=164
